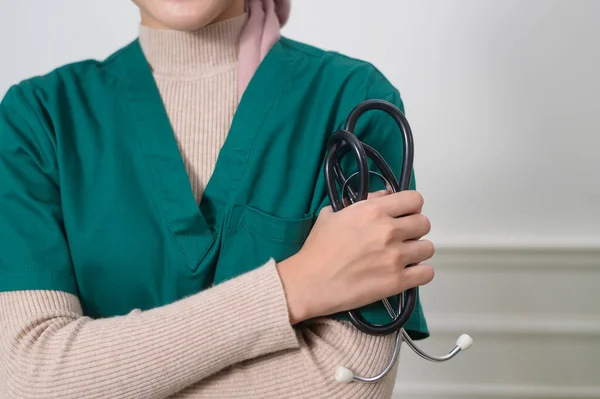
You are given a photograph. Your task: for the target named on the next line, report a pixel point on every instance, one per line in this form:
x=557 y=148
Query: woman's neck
x=197 y=53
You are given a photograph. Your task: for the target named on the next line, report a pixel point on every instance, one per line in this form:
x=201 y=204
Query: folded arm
x=219 y=343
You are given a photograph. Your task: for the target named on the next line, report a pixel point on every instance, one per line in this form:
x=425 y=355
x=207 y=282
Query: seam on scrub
x=321 y=53
x=293 y=44
x=278 y=240
x=48 y=133
x=240 y=226
x=162 y=213
x=114 y=57
x=269 y=111
x=157 y=192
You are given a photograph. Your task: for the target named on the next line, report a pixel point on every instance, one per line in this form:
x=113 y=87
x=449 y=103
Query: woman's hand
x=358 y=256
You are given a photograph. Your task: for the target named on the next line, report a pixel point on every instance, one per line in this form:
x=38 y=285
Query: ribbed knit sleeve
x=49 y=350
x=220 y=343
x=307 y=372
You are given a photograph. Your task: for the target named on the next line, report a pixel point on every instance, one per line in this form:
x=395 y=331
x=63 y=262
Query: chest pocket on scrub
x=252 y=237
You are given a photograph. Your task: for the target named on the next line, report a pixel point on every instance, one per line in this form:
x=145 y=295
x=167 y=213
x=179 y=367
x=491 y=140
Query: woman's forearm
x=307 y=372
x=48 y=349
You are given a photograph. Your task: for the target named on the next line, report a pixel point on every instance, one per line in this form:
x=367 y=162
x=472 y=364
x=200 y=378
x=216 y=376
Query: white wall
x=503 y=97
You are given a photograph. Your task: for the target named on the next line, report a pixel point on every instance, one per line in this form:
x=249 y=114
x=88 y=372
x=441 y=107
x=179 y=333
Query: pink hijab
x=265 y=19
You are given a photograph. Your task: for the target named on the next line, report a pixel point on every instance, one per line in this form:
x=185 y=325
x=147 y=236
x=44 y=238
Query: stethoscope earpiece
x=344 y=374
x=464 y=342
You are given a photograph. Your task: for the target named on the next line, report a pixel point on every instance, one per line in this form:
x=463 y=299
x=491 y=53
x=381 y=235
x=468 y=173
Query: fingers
x=400 y=204
x=418 y=251
x=412 y=227
x=415 y=276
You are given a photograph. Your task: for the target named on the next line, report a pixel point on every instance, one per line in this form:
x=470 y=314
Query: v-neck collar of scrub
x=196 y=227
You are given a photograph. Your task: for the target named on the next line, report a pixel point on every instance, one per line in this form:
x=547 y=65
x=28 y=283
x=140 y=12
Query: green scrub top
x=95 y=199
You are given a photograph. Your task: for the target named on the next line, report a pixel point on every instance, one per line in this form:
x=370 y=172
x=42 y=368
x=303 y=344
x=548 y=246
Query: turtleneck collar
x=197 y=53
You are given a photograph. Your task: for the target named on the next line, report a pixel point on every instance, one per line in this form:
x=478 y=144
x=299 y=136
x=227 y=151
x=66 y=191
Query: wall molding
x=584 y=260
x=525 y=326
x=522 y=325
x=517 y=241
x=520 y=257
x=494 y=391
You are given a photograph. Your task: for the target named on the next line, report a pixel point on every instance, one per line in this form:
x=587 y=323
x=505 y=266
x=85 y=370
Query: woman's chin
x=183 y=15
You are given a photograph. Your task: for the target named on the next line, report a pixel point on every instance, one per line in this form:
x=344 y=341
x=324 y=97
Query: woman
x=123 y=276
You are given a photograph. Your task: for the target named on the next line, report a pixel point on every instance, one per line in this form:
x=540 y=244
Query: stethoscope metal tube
x=463 y=343
x=340 y=144
x=344 y=374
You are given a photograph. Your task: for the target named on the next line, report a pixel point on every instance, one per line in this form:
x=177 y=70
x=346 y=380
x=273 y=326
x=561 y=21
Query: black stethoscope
x=341 y=143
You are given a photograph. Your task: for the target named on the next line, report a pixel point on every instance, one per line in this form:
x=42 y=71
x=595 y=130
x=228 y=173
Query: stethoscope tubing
x=341 y=143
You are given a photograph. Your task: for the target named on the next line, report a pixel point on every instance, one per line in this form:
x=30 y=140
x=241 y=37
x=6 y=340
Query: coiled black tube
x=345 y=141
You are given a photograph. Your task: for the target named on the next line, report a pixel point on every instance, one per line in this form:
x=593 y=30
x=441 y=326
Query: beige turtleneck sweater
x=196 y=74
x=218 y=343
